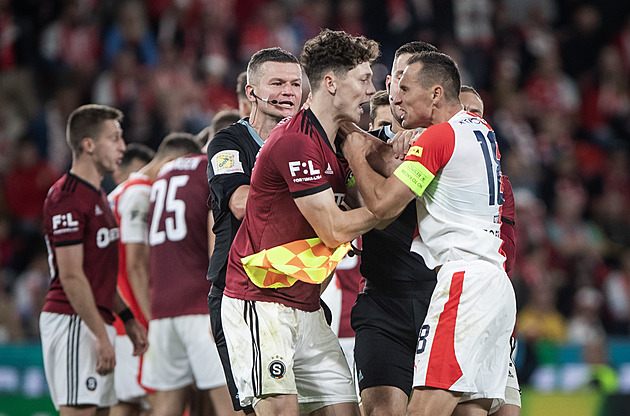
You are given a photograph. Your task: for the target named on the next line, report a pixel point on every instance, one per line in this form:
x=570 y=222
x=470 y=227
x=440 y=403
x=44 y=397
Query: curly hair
x=335 y=51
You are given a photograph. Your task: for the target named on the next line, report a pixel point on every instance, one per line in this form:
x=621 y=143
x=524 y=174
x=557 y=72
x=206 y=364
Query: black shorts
x=216 y=325
x=387 y=330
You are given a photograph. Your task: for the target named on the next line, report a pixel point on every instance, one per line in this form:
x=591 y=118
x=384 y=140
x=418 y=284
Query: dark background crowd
x=554 y=75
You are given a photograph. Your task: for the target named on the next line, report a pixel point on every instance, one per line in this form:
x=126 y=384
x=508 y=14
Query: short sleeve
x=133 y=209
x=67 y=221
x=226 y=172
x=433 y=148
x=301 y=163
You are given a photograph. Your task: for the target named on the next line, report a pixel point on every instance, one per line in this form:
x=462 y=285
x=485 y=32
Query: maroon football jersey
x=77 y=213
x=296 y=160
x=178 y=239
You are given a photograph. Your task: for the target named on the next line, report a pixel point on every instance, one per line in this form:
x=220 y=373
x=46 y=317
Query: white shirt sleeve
x=133 y=208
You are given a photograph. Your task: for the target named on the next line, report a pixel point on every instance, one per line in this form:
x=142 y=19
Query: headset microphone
x=272 y=102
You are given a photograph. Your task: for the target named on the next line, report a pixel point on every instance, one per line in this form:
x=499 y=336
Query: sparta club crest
x=90 y=383
x=277 y=369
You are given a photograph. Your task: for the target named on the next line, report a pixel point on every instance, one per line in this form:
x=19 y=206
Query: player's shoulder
x=440 y=130
x=70 y=191
x=302 y=127
x=235 y=133
x=136 y=182
x=71 y=186
x=184 y=164
x=464 y=120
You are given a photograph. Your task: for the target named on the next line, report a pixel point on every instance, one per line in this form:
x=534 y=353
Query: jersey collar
x=252 y=132
x=318 y=127
x=388 y=131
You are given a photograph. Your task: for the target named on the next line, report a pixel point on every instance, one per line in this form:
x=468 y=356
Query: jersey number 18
x=493 y=166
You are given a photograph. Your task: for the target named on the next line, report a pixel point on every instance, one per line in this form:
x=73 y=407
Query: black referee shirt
x=232 y=153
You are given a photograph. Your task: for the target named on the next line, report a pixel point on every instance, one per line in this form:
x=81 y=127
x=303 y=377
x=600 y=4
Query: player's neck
x=262 y=124
x=87 y=170
x=151 y=169
x=396 y=127
x=322 y=111
x=444 y=114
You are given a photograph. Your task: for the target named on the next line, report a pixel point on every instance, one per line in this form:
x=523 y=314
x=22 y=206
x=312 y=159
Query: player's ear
x=388 y=82
x=437 y=92
x=87 y=145
x=330 y=83
x=249 y=91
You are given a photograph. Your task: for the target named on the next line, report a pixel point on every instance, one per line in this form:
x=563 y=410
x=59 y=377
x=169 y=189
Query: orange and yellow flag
x=307 y=260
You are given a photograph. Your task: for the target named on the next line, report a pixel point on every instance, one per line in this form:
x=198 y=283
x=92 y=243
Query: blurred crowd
x=554 y=75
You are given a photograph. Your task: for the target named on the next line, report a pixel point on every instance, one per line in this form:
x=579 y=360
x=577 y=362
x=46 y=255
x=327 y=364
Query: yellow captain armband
x=414 y=175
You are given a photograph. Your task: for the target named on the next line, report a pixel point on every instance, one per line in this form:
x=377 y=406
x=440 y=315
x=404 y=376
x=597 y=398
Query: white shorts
x=465 y=339
x=275 y=349
x=513 y=388
x=69 y=351
x=126 y=372
x=347 y=346
x=181 y=351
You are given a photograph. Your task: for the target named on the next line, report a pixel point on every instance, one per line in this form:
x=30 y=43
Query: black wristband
x=126 y=315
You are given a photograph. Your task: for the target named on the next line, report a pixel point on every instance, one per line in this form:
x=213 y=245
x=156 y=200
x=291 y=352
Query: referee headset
x=272 y=102
x=268 y=101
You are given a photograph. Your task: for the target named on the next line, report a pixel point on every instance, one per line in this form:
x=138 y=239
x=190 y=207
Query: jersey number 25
x=164 y=195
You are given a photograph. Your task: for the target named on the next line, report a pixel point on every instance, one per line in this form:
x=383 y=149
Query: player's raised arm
x=385 y=197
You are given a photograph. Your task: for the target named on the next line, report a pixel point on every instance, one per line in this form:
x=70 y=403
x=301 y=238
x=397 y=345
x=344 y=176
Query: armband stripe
x=414 y=175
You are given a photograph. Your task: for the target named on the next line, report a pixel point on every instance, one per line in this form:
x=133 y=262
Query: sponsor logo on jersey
x=98 y=210
x=308 y=169
x=90 y=383
x=415 y=151
x=64 y=223
x=277 y=369
x=227 y=161
x=105 y=236
x=329 y=170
